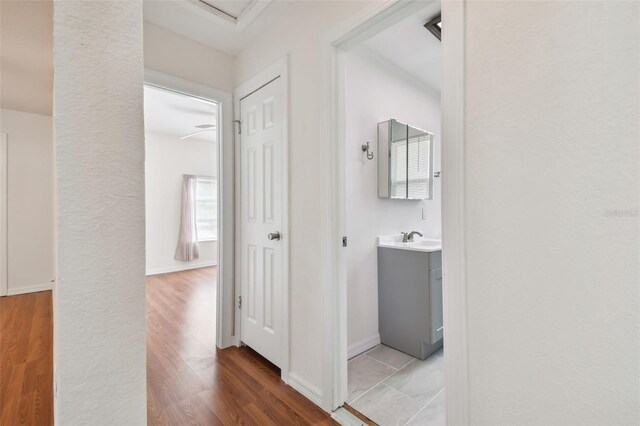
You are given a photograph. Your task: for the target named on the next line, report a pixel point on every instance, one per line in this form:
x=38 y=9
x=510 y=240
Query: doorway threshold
x=349 y=416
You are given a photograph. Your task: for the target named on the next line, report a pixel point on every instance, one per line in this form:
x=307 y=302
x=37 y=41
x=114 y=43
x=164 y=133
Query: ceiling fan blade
x=205 y=126
x=196 y=133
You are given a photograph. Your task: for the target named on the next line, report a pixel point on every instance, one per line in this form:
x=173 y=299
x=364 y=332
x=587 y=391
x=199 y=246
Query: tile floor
x=393 y=388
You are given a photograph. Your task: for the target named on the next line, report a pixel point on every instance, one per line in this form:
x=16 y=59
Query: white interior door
x=261 y=141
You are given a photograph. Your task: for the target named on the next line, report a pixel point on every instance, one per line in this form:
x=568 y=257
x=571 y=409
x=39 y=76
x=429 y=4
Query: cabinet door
x=435 y=293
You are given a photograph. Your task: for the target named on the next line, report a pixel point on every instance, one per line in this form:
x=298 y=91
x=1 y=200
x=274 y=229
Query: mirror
x=404 y=161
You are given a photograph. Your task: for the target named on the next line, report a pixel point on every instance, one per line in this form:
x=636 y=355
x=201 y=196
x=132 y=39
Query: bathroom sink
x=419 y=244
x=426 y=245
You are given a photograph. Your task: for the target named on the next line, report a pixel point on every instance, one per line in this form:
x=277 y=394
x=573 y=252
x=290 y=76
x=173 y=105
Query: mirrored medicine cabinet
x=405 y=161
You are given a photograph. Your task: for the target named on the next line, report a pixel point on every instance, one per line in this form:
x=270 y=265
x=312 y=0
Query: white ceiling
x=233 y=8
x=411 y=47
x=26 y=52
x=27 y=39
x=196 y=20
x=177 y=115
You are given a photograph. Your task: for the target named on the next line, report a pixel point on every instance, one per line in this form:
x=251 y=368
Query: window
x=419 y=163
x=207 y=209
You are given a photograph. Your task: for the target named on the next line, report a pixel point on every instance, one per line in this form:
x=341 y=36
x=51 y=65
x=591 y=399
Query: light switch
x=424 y=214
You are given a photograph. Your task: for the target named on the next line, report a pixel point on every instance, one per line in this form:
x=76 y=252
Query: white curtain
x=187 y=248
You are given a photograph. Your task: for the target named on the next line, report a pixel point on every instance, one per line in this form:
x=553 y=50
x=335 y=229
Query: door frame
x=334 y=45
x=277 y=70
x=225 y=177
x=4 y=151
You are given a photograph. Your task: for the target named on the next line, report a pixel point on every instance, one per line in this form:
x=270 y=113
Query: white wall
x=552 y=201
x=26 y=56
x=30 y=200
x=552 y=149
x=26 y=98
x=173 y=54
x=294 y=33
x=376 y=91
x=167 y=159
x=99 y=299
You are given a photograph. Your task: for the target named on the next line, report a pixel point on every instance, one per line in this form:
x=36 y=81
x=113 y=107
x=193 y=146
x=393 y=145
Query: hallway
x=189 y=381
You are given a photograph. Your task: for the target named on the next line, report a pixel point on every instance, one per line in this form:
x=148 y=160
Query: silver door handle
x=274 y=236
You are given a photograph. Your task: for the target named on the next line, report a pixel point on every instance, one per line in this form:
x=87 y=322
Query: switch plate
x=424 y=214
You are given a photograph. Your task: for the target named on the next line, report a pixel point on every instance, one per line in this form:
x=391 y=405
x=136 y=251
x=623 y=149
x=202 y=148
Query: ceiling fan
x=204 y=127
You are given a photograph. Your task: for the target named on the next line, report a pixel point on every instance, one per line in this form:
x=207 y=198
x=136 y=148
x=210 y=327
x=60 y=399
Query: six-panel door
x=261 y=207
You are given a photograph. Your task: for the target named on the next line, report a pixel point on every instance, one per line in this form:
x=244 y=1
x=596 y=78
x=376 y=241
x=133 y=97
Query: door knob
x=274 y=236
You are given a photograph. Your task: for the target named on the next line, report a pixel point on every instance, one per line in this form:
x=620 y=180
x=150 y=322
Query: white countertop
x=418 y=244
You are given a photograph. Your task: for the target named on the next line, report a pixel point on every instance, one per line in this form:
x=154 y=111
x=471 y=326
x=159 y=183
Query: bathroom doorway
x=387 y=81
x=394 y=309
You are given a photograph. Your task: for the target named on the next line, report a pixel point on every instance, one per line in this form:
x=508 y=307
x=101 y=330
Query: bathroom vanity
x=410 y=295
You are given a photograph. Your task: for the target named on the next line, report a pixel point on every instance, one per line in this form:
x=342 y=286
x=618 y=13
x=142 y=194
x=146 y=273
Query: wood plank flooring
x=26 y=360
x=189 y=381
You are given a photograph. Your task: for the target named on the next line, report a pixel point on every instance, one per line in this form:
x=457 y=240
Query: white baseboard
x=178 y=268
x=305 y=388
x=29 y=289
x=363 y=345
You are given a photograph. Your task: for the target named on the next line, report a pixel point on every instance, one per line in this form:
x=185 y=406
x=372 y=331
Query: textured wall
x=99 y=306
x=552 y=198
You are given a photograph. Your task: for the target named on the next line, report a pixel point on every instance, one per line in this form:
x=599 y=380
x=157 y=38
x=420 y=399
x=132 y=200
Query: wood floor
x=26 y=360
x=189 y=381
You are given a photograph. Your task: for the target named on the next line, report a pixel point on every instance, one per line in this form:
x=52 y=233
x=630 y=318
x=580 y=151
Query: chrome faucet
x=407 y=237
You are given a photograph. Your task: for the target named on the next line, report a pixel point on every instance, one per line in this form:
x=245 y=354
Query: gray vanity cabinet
x=410 y=300
x=435 y=304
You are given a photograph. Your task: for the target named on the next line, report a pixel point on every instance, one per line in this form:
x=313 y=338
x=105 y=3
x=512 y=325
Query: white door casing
x=261 y=146
x=3 y=214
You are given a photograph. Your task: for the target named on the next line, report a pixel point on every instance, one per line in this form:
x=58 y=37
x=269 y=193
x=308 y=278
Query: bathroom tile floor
x=393 y=388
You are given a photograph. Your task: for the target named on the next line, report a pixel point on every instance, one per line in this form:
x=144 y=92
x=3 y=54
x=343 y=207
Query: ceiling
x=177 y=115
x=26 y=52
x=233 y=8
x=26 y=30
x=411 y=47
x=215 y=23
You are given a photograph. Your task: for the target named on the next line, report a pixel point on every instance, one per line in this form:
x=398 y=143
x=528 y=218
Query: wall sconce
x=365 y=148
